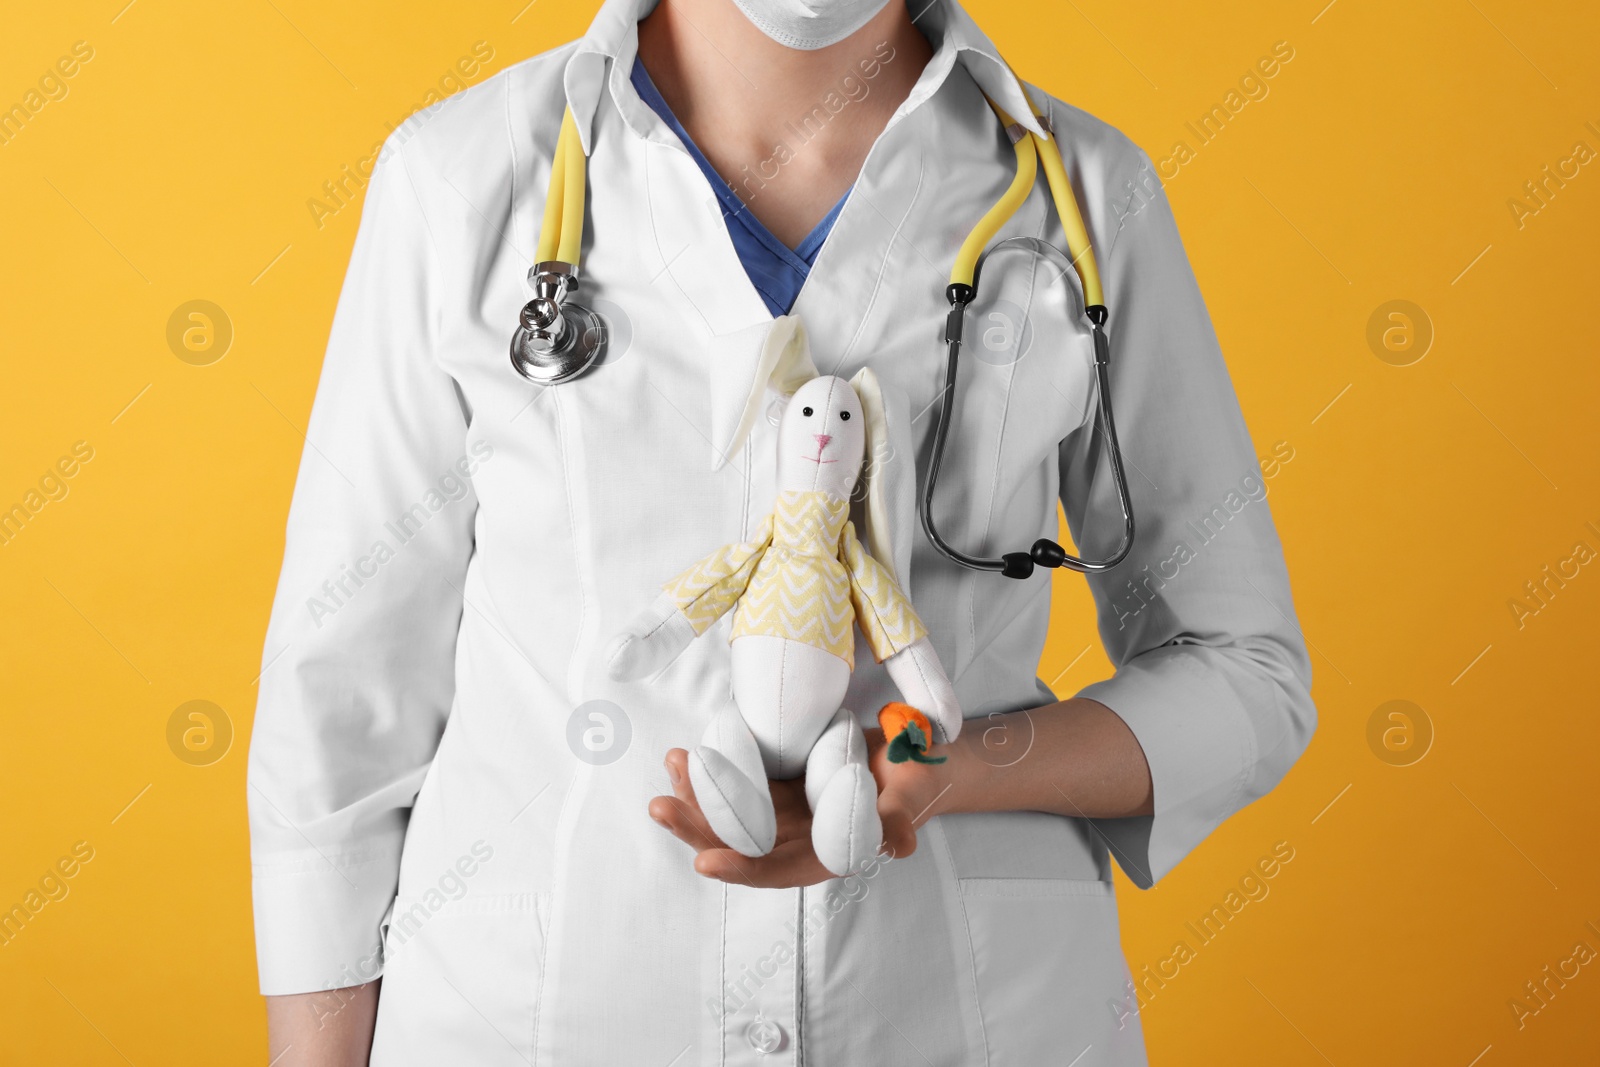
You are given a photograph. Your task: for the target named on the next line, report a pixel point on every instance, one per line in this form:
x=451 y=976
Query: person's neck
x=788 y=129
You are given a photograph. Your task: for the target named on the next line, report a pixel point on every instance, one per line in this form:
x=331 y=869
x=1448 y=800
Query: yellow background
x=1420 y=898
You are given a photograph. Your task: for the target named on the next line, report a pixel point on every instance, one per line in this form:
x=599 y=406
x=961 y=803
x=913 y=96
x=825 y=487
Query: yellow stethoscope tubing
x=1079 y=248
x=966 y=263
x=561 y=234
x=1033 y=152
x=572 y=193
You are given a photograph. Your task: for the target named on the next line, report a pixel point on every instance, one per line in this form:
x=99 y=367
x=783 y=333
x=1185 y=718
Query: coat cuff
x=319 y=926
x=1200 y=745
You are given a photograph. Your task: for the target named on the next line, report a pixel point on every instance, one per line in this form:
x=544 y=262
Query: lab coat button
x=764 y=1035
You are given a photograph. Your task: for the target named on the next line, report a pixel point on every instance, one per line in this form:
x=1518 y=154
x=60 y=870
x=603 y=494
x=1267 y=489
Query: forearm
x=1076 y=757
x=328 y=1029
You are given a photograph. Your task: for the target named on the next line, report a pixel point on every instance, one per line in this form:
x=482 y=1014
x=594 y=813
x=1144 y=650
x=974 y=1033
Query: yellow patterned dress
x=805 y=577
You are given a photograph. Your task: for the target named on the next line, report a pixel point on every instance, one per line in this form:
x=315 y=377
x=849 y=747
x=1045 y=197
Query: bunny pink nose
x=822 y=440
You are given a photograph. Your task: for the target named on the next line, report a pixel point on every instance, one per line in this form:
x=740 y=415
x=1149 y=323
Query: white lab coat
x=429 y=792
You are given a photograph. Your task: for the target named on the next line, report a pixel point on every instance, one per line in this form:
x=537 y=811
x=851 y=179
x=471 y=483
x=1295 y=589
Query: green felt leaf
x=911 y=744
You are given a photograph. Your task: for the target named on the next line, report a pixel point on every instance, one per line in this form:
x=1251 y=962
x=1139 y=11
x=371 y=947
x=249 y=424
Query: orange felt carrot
x=908 y=732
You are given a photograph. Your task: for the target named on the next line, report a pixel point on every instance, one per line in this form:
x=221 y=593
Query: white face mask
x=810 y=24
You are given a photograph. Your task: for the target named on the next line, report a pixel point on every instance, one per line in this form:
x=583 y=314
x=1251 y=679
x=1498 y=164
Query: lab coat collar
x=614 y=36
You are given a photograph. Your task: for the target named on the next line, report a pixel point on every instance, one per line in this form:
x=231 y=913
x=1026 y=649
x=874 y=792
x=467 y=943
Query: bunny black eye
x=806 y=412
x=844 y=416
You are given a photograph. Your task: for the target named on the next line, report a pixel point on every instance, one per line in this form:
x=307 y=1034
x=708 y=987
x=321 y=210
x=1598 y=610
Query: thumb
x=910 y=795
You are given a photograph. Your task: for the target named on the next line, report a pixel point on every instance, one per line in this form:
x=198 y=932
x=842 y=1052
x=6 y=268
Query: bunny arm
x=918 y=674
x=897 y=637
x=686 y=608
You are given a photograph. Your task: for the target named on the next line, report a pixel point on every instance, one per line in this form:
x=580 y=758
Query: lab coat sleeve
x=358 y=664
x=1212 y=674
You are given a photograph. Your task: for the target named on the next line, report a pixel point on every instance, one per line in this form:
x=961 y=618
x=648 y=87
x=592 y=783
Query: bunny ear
x=793 y=366
x=743 y=366
x=888 y=493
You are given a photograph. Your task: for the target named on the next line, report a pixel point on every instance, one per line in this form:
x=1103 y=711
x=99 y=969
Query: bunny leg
x=845 y=828
x=730 y=783
x=786 y=693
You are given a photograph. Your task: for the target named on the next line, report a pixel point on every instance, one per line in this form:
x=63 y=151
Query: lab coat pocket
x=1047 y=958
x=461 y=980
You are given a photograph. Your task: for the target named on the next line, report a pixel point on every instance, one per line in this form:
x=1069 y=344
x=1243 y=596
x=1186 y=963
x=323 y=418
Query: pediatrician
x=447 y=789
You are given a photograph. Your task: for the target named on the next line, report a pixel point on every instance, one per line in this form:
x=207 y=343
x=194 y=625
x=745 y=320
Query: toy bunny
x=794 y=591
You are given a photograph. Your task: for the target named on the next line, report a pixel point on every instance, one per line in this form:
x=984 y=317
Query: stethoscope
x=557 y=338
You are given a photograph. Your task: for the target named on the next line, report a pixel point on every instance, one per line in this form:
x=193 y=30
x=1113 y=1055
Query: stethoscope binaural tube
x=1044 y=552
x=963 y=288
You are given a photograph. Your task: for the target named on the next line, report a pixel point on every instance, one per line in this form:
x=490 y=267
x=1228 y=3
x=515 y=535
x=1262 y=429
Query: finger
x=685 y=822
x=909 y=797
x=680 y=813
x=677 y=763
x=791 y=864
x=899 y=835
x=792 y=810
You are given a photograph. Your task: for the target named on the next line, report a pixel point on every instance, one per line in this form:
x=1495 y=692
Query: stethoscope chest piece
x=557 y=338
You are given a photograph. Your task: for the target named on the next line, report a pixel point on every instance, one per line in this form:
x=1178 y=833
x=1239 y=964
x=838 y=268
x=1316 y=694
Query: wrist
x=995 y=762
x=969 y=771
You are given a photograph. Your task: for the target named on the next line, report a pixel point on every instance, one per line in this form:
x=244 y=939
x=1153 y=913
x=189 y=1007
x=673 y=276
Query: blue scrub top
x=776 y=270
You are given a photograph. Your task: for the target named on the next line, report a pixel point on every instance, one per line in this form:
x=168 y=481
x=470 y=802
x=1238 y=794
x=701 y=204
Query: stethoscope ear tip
x=1044 y=553
x=1017 y=565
